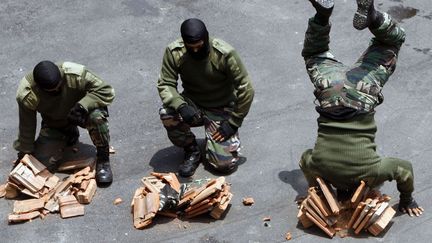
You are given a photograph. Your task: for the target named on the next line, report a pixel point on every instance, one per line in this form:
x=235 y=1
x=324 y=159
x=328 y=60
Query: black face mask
x=202 y=53
x=53 y=93
x=193 y=31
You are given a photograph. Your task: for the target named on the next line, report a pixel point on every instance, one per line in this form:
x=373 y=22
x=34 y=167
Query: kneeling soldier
x=217 y=93
x=66 y=95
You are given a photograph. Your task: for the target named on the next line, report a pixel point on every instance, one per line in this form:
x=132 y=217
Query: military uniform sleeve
x=27 y=129
x=167 y=82
x=99 y=93
x=243 y=88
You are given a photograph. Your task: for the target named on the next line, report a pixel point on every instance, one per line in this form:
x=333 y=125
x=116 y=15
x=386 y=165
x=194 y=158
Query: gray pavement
x=123 y=42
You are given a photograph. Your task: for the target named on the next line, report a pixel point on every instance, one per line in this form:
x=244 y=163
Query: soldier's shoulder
x=26 y=94
x=72 y=68
x=176 y=45
x=222 y=46
x=177 y=50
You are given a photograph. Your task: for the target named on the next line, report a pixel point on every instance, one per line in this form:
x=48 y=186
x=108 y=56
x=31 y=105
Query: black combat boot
x=367 y=16
x=324 y=9
x=191 y=160
x=104 y=174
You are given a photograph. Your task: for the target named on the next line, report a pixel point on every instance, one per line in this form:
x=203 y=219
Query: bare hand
x=412 y=209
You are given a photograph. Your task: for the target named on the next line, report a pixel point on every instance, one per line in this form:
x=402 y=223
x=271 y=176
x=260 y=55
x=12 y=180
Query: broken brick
x=70 y=207
x=76 y=164
x=117 y=201
x=86 y=196
x=248 y=201
x=29 y=205
x=15 y=218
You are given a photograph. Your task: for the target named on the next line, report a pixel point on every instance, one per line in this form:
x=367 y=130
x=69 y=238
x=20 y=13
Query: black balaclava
x=192 y=31
x=47 y=76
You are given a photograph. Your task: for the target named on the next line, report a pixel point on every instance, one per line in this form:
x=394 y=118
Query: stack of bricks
x=146 y=201
x=213 y=198
x=31 y=178
x=372 y=212
x=49 y=193
x=366 y=210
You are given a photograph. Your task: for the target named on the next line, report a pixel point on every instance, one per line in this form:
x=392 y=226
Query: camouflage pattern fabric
x=359 y=86
x=97 y=127
x=219 y=155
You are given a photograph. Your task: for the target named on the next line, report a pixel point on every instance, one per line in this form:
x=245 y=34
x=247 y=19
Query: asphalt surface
x=123 y=42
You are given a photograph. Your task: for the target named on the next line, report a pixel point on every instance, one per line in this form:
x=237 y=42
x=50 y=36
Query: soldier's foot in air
x=365 y=14
x=104 y=176
x=412 y=208
x=191 y=161
x=323 y=7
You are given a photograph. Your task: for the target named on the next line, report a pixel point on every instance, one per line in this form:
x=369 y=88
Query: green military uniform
x=219 y=86
x=80 y=85
x=345 y=150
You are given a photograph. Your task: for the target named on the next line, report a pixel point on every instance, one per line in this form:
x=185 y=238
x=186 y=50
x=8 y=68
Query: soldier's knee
x=169 y=117
x=98 y=117
x=183 y=141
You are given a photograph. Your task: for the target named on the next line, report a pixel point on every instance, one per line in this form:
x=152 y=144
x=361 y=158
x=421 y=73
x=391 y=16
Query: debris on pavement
x=112 y=150
x=367 y=210
x=248 y=201
x=2 y=190
x=48 y=193
x=117 y=201
x=288 y=236
x=266 y=219
x=162 y=194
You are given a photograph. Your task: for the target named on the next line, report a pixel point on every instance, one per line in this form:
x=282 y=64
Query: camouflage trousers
x=97 y=127
x=219 y=154
x=362 y=81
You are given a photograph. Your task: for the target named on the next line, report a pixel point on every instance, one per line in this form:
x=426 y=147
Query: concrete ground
x=123 y=42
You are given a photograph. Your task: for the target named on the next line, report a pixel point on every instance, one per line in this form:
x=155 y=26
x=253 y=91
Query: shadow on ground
x=52 y=152
x=296 y=179
x=168 y=160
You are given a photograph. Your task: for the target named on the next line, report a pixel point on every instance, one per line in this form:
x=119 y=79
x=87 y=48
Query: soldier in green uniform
x=217 y=94
x=66 y=95
x=345 y=150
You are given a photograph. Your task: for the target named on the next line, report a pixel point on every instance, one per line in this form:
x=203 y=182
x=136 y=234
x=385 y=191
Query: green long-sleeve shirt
x=80 y=85
x=345 y=153
x=217 y=81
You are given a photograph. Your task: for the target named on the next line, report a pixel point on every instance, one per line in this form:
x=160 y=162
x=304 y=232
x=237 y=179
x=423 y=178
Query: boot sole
x=327 y=4
x=360 y=20
x=103 y=183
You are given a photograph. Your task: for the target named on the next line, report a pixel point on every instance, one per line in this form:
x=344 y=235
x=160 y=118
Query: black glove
x=189 y=114
x=78 y=115
x=169 y=198
x=224 y=132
